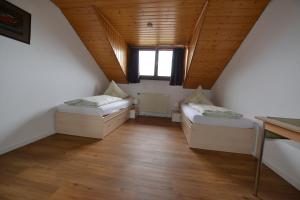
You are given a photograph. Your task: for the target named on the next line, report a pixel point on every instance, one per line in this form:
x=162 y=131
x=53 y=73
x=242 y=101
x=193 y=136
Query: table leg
x=259 y=163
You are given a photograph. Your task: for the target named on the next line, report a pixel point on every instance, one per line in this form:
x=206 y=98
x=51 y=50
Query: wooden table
x=285 y=127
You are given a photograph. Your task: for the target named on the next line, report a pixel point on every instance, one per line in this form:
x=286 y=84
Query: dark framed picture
x=15 y=23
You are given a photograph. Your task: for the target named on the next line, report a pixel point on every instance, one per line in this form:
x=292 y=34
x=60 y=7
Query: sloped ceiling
x=225 y=25
x=97 y=35
x=212 y=31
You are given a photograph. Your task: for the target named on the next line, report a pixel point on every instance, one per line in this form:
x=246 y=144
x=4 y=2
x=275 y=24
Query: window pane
x=146 y=62
x=164 y=62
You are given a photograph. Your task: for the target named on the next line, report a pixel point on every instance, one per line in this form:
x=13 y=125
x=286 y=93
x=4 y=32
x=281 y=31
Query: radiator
x=153 y=104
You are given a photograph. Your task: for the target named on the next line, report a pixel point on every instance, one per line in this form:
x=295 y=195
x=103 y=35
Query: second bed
x=220 y=134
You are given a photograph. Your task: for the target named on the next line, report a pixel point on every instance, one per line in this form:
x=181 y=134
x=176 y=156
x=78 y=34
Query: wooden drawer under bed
x=89 y=125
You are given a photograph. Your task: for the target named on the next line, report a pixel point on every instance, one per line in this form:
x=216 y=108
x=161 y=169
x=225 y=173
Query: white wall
x=176 y=93
x=35 y=78
x=263 y=77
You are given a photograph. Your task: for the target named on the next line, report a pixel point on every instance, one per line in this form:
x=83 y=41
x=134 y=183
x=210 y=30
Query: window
x=147 y=62
x=164 y=66
x=155 y=63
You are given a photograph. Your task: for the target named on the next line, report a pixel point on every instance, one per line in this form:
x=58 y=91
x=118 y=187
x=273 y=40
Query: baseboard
x=23 y=143
x=283 y=174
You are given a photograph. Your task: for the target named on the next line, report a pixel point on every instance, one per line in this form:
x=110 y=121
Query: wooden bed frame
x=218 y=138
x=89 y=125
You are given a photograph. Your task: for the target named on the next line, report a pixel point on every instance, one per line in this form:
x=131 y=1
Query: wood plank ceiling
x=212 y=31
x=225 y=25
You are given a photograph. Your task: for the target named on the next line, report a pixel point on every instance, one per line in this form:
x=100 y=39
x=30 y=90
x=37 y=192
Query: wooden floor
x=143 y=159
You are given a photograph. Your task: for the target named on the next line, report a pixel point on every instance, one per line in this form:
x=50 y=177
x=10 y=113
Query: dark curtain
x=177 y=66
x=133 y=65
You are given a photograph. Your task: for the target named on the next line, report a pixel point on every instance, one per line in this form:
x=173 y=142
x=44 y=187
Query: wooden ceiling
x=225 y=25
x=105 y=44
x=173 y=20
x=212 y=30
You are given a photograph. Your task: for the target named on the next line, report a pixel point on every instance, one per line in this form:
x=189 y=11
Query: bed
x=92 y=122
x=219 y=134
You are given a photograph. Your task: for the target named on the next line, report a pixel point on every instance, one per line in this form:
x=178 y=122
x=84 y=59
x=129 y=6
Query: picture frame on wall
x=15 y=22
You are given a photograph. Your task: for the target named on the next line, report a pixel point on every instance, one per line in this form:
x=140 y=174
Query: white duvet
x=94 y=101
x=215 y=111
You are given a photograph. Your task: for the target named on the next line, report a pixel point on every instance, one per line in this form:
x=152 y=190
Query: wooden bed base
x=218 y=138
x=89 y=125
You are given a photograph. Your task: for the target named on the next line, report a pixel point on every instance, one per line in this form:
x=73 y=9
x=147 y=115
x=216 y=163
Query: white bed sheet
x=99 y=111
x=196 y=117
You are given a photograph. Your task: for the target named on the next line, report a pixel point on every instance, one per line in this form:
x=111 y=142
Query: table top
x=287 y=123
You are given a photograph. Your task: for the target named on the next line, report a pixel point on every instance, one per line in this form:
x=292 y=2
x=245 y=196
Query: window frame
x=155 y=76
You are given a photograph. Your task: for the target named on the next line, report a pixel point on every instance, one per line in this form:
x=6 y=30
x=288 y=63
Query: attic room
x=149 y=99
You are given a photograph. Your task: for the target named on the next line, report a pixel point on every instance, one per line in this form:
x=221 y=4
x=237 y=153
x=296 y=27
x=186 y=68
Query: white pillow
x=198 y=98
x=115 y=91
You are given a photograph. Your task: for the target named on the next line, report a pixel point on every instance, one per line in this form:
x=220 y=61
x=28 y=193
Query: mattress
x=99 y=111
x=196 y=117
